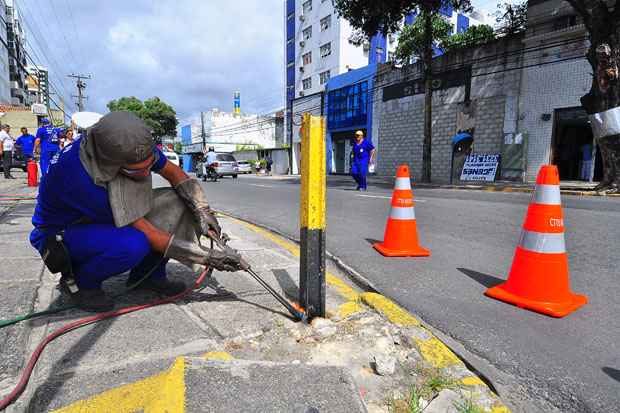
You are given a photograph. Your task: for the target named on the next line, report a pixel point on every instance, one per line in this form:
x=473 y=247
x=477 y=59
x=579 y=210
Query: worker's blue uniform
x=98 y=249
x=49 y=142
x=361 y=158
x=26 y=142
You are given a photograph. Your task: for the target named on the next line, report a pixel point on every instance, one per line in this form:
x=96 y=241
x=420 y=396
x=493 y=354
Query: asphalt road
x=572 y=363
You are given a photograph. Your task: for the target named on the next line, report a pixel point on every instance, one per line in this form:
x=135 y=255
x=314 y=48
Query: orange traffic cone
x=538 y=279
x=401 y=231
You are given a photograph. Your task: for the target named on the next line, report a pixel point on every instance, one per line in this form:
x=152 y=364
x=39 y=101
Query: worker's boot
x=93 y=300
x=161 y=286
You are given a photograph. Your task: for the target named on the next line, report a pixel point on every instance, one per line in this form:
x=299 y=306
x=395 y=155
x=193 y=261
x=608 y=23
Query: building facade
x=37 y=85
x=16 y=55
x=5 y=82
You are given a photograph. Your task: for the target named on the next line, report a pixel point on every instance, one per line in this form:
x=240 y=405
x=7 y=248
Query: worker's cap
x=121 y=138
x=359 y=133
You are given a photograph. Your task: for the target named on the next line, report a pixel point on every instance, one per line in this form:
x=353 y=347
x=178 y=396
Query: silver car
x=244 y=167
x=225 y=165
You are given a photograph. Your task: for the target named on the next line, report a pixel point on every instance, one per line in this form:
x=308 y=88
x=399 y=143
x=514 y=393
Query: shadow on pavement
x=47 y=391
x=611 y=372
x=486 y=280
x=287 y=284
x=373 y=241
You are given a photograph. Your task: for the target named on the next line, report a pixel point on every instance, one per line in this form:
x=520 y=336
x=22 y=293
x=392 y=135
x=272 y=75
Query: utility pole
x=202 y=132
x=80 y=87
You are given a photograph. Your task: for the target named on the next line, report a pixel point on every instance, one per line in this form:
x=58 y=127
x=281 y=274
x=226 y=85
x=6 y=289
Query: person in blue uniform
x=47 y=142
x=26 y=143
x=97 y=215
x=363 y=155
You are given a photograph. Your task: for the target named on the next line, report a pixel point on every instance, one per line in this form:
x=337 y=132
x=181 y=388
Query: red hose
x=25 y=377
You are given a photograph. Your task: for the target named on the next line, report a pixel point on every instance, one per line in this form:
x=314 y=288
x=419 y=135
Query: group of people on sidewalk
x=47 y=142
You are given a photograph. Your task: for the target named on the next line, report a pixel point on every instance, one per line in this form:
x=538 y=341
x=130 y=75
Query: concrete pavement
x=228 y=347
x=569 y=364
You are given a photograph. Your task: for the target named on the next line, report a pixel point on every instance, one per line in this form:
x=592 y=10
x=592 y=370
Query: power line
x=80 y=87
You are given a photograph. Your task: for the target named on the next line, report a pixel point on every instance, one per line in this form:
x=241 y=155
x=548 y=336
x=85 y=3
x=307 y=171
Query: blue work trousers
x=359 y=170
x=46 y=157
x=100 y=251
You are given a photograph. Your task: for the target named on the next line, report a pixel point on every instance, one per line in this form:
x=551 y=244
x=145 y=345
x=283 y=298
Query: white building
x=5 y=84
x=229 y=132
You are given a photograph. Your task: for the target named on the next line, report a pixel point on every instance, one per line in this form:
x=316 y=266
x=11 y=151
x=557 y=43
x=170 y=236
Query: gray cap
x=119 y=138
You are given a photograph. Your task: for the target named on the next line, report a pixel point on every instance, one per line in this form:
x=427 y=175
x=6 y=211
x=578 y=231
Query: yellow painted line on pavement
x=472 y=381
x=436 y=353
x=217 y=355
x=349 y=308
x=500 y=409
x=395 y=313
x=162 y=393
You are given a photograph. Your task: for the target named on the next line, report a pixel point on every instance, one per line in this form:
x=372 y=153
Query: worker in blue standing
x=363 y=155
x=47 y=142
x=97 y=215
x=26 y=143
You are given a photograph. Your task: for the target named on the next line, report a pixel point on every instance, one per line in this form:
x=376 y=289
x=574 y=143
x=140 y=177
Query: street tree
x=158 y=115
x=511 y=18
x=372 y=17
x=602 y=21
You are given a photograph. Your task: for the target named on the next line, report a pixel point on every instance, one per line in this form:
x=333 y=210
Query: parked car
x=18 y=161
x=173 y=157
x=225 y=165
x=244 y=167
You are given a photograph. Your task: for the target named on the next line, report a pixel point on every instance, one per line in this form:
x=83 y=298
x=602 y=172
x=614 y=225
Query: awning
x=460 y=136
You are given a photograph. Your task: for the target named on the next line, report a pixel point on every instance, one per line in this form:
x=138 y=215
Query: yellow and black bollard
x=312 y=217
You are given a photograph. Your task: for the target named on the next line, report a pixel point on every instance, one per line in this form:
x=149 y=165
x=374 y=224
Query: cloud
x=191 y=53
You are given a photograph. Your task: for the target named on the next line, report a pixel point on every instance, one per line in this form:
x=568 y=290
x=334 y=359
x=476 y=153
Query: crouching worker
x=97 y=215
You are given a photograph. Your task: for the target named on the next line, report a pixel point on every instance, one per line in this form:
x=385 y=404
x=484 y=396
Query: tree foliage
x=411 y=39
x=157 y=114
x=511 y=18
x=473 y=36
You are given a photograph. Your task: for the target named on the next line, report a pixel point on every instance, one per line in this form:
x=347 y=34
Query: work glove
x=192 y=194
x=183 y=250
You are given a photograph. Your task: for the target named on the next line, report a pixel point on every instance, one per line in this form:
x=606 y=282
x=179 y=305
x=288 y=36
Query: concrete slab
x=147 y=333
x=241 y=386
x=268 y=259
x=17 y=299
x=20 y=270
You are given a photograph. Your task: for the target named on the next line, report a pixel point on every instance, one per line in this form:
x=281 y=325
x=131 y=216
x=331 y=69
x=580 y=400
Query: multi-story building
x=37 y=85
x=16 y=54
x=5 y=83
x=317 y=48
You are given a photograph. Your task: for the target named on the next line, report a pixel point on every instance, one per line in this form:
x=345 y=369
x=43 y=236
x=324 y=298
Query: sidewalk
x=228 y=348
x=578 y=188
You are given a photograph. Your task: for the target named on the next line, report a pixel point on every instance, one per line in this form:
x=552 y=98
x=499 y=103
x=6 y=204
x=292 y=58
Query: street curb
x=434 y=351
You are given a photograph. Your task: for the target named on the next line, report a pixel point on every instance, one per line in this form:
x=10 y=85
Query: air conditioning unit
x=301 y=69
x=302 y=17
x=302 y=43
x=301 y=93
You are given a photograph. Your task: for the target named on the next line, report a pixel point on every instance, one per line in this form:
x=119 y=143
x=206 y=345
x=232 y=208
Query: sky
x=193 y=54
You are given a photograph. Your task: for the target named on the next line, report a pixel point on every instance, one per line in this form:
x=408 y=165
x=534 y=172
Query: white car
x=173 y=158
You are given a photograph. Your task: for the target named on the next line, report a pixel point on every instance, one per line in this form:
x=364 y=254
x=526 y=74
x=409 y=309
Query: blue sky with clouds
x=191 y=53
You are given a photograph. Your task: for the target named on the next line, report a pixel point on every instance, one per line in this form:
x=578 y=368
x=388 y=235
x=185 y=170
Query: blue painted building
x=347 y=108
x=186 y=140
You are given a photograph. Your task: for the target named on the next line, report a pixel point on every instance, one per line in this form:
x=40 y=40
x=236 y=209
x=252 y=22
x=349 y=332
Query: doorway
x=340 y=156
x=572 y=147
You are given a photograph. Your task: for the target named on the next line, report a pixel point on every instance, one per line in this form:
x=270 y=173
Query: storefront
x=348 y=109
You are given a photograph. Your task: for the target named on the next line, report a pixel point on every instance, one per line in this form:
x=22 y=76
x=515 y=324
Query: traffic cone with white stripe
x=401 y=231
x=539 y=279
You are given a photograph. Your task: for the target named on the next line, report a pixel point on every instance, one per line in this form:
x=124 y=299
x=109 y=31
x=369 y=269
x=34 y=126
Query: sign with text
x=480 y=167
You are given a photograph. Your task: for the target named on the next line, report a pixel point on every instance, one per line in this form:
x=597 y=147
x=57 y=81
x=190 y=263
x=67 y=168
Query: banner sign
x=480 y=167
x=193 y=148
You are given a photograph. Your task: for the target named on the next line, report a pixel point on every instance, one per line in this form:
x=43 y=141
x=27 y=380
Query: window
x=347 y=106
x=326 y=50
x=307 y=7
x=225 y=157
x=324 y=77
x=307 y=33
x=326 y=22
x=307 y=83
x=307 y=58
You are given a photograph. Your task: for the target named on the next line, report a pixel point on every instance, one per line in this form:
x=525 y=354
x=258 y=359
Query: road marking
x=164 y=392
x=386 y=197
x=262 y=186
